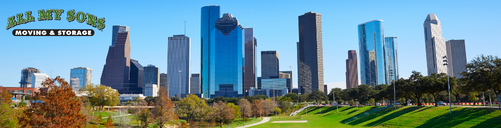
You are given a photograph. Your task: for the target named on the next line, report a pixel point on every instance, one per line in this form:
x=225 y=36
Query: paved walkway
x=118 y=116
x=265 y=119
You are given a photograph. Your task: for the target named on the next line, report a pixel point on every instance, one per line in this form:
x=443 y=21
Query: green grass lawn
x=421 y=117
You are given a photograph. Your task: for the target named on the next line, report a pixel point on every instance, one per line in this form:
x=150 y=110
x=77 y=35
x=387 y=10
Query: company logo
x=55 y=14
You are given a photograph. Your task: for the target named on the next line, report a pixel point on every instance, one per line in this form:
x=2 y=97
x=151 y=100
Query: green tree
x=143 y=116
x=192 y=107
x=8 y=115
x=416 y=87
x=483 y=73
x=292 y=96
x=101 y=95
x=473 y=97
x=221 y=112
x=372 y=101
x=337 y=94
x=317 y=96
x=236 y=109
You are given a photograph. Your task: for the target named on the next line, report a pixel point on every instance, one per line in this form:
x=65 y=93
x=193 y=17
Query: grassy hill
x=421 y=117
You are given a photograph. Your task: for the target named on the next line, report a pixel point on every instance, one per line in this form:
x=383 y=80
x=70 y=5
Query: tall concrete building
x=195 y=84
x=163 y=80
x=37 y=79
x=391 y=59
x=26 y=74
x=75 y=83
x=456 y=55
x=372 y=59
x=209 y=16
x=116 y=71
x=151 y=75
x=435 y=45
x=351 y=70
x=250 y=60
x=269 y=64
x=310 y=54
x=287 y=75
x=178 y=65
x=83 y=74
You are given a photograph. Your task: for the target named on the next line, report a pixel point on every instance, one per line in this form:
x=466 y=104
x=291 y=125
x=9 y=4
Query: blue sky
x=275 y=26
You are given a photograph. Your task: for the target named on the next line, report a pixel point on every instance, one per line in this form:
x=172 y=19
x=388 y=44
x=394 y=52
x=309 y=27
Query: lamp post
x=394 y=91
x=448 y=85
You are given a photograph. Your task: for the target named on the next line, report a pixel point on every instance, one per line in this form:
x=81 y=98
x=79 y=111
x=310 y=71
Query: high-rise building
x=151 y=75
x=37 y=79
x=287 y=75
x=26 y=76
x=163 y=80
x=325 y=89
x=116 y=71
x=435 y=45
x=150 y=90
x=351 y=70
x=269 y=64
x=391 y=59
x=258 y=82
x=250 y=60
x=195 y=84
x=371 y=40
x=310 y=54
x=75 y=83
x=83 y=74
x=209 y=16
x=226 y=58
x=456 y=57
x=135 y=85
x=178 y=65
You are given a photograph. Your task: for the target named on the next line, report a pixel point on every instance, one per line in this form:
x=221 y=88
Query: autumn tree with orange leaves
x=55 y=107
x=164 y=108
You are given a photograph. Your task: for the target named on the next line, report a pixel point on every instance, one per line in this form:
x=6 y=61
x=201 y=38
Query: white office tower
x=435 y=45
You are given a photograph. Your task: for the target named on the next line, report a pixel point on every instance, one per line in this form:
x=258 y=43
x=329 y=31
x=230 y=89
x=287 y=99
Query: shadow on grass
x=368 y=110
x=393 y=115
x=347 y=108
x=326 y=110
x=457 y=117
x=421 y=108
x=340 y=109
x=310 y=109
x=490 y=123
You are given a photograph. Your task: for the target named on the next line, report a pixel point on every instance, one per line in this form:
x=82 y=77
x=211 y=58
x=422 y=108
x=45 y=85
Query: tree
x=257 y=108
x=221 y=112
x=143 y=116
x=416 y=87
x=7 y=114
x=164 y=108
x=317 y=96
x=192 y=107
x=304 y=97
x=101 y=95
x=109 y=123
x=245 y=107
x=473 y=97
x=483 y=73
x=236 y=109
x=337 y=93
x=286 y=106
x=292 y=96
x=58 y=107
x=268 y=107
x=372 y=101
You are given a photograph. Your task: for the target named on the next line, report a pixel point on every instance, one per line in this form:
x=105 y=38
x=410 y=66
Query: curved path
x=265 y=119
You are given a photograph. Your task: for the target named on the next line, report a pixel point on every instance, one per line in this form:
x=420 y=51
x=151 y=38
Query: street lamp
x=394 y=91
x=448 y=85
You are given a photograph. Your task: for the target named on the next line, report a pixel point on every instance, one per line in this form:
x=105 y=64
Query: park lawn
x=423 y=117
x=239 y=122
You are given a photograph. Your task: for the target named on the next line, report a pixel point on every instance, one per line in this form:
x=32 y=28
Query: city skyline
x=412 y=43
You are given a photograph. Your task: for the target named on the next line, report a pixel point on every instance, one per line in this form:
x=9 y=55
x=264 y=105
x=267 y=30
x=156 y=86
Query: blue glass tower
x=209 y=16
x=390 y=49
x=372 y=62
x=226 y=58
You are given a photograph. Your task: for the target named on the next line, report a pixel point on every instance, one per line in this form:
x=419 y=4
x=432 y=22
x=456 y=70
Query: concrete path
x=118 y=116
x=265 y=119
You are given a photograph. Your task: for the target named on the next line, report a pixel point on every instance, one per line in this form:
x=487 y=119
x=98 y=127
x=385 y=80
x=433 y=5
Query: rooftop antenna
x=184 y=22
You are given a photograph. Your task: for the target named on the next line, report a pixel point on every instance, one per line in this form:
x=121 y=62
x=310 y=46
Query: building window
x=29 y=91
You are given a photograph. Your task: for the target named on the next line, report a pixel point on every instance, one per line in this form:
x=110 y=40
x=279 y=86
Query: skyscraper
x=75 y=83
x=178 y=65
x=310 y=54
x=250 y=60
x=435 y=45
x=151 y=75
x=195 y=84
x=26 y=76
x=456 y=57
x=116 y=71
x=135 y=85
x=226 y=58
x=209 y=16
x=83 y=74
x=287 y=75
x=351 y=70
x=163 y=80
x=269 y=64
x=371 y=40
x=391 y=59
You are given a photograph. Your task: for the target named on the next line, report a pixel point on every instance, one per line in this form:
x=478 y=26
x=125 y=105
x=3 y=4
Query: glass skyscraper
x=178 y=66
x=209 y=16
x=310 y=53
x=151 y=75
x=372 y=62
x=226 y=58
x=26 y=74
x=391 y=59
x=83 y=74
